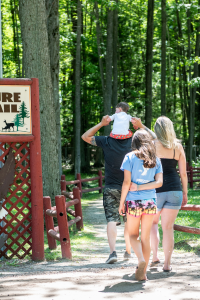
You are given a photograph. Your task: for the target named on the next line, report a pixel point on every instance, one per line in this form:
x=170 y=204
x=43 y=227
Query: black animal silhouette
x=8 y=126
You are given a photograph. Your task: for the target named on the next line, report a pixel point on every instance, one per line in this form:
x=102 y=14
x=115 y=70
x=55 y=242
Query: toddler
x=121 y=122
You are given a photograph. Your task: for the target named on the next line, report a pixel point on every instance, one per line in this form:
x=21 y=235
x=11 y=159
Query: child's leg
x=133 y=224
x=146 y=224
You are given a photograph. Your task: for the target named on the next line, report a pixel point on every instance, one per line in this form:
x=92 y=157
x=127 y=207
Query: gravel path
x=91 y=278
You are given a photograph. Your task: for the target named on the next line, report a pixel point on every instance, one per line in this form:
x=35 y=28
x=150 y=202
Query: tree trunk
x=109 y=61
x=163 y=57
x=37 y=64
x=191 y=104
x=115 y=56
x=78 y=92
x=149 y=64
x=196 y=69
x=52 y=7
x=98 y=31
x=85 y=107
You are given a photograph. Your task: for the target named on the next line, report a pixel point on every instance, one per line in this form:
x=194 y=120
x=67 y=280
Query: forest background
x=89 y=55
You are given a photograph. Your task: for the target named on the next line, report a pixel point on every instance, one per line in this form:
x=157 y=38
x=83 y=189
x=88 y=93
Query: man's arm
x=88 y=136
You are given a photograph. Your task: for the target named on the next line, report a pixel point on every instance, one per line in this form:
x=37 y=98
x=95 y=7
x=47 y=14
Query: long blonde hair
x=164 y=130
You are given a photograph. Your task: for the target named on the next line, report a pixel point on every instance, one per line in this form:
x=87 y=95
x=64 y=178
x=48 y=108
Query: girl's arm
x=125 y=189
x=183 y=175
x=148 y=186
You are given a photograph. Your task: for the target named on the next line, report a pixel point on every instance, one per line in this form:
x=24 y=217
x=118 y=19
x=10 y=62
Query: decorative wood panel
x=17 y=223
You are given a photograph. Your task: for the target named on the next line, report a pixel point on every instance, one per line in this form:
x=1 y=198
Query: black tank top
x=171 y=179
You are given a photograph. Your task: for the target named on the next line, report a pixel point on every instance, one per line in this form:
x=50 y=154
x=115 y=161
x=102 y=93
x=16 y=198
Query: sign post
x=20 y=130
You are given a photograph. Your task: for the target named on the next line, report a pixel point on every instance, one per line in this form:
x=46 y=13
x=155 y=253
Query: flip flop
x=139 y=275
x=154 y=263
x=167 y=270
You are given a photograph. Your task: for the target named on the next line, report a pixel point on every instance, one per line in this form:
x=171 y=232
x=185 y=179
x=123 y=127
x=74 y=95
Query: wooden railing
x=61 y=232
x=79 y=182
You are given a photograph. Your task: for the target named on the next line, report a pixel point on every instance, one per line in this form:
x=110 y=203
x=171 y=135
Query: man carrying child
x=115 y=147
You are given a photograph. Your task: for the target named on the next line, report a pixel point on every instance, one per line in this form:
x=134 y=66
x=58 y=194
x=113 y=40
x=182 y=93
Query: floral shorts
x=137 y=208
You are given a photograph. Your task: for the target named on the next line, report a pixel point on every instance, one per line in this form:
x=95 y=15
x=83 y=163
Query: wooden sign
x=15 y=109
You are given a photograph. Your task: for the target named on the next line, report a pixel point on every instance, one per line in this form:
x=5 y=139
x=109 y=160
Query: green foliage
x=197 y=163
x=132 y=30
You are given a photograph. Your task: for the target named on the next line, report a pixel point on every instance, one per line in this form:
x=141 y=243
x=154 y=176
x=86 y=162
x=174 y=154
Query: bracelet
x=137 y=187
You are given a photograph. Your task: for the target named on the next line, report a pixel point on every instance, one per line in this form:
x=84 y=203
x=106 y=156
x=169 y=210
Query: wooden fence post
x=78 y=208
x=49 y=222
x=63 y=227
x=63 y=184
x=37 y=223
x=191 y=177
x=79 y=184
x=100 y=181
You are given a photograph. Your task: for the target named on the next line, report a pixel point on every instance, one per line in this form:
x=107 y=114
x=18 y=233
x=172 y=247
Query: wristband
x=137 y=187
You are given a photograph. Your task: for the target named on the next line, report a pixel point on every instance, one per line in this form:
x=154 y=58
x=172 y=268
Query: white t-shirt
x=121 y=123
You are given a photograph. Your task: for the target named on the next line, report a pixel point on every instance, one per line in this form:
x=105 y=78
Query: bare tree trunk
x=163 y=56
x=37 y=64
x=52 y=7
x=196 y=68
x=78 y=92
x=98 y=30
x=149 y=63
x=191 y=104
x=115 y=56
x=109 y=61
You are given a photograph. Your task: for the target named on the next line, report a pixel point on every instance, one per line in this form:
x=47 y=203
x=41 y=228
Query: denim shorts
x=172 y=200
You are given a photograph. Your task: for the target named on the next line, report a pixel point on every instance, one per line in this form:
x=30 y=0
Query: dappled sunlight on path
x=89 y=277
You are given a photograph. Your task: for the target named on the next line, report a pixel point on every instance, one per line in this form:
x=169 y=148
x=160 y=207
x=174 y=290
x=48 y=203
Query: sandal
x=167 y=270
x=154 y=263
x=139 y=274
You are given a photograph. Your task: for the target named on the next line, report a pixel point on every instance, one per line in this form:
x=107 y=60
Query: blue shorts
x=171 y=200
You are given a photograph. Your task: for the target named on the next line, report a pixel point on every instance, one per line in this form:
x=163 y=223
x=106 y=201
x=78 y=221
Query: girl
x=144 y=170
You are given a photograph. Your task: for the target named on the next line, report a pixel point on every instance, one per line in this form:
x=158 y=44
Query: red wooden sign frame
x=33 y=180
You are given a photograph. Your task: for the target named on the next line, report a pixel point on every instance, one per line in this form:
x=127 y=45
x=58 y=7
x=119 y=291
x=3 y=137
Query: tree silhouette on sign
x=18 y=121
x=23 y=111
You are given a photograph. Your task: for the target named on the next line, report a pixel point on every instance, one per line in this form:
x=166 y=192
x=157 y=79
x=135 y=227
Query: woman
x=171 y=196
x=140 y=166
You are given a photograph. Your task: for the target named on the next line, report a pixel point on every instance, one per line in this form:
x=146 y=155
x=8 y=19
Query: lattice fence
x=17 y=223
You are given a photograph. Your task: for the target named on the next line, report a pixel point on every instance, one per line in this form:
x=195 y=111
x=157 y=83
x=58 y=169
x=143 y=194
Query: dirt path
x=90 y=278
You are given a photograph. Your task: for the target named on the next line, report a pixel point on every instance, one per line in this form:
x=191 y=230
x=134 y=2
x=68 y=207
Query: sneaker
x=112 y=258
x=127 y=255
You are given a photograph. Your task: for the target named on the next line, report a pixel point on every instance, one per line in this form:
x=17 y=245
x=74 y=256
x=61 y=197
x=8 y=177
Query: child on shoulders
x=121 y=122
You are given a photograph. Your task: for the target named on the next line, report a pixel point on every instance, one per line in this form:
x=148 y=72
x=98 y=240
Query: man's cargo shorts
x=111 y=201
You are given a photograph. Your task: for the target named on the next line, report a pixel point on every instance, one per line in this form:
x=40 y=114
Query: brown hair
x=144 y=148
x=124 y=106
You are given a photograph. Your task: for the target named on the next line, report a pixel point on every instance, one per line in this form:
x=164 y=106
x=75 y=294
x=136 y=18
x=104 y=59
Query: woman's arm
x=183 y=175
x=148 y=186
x=125 y=189
x=137 y=122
